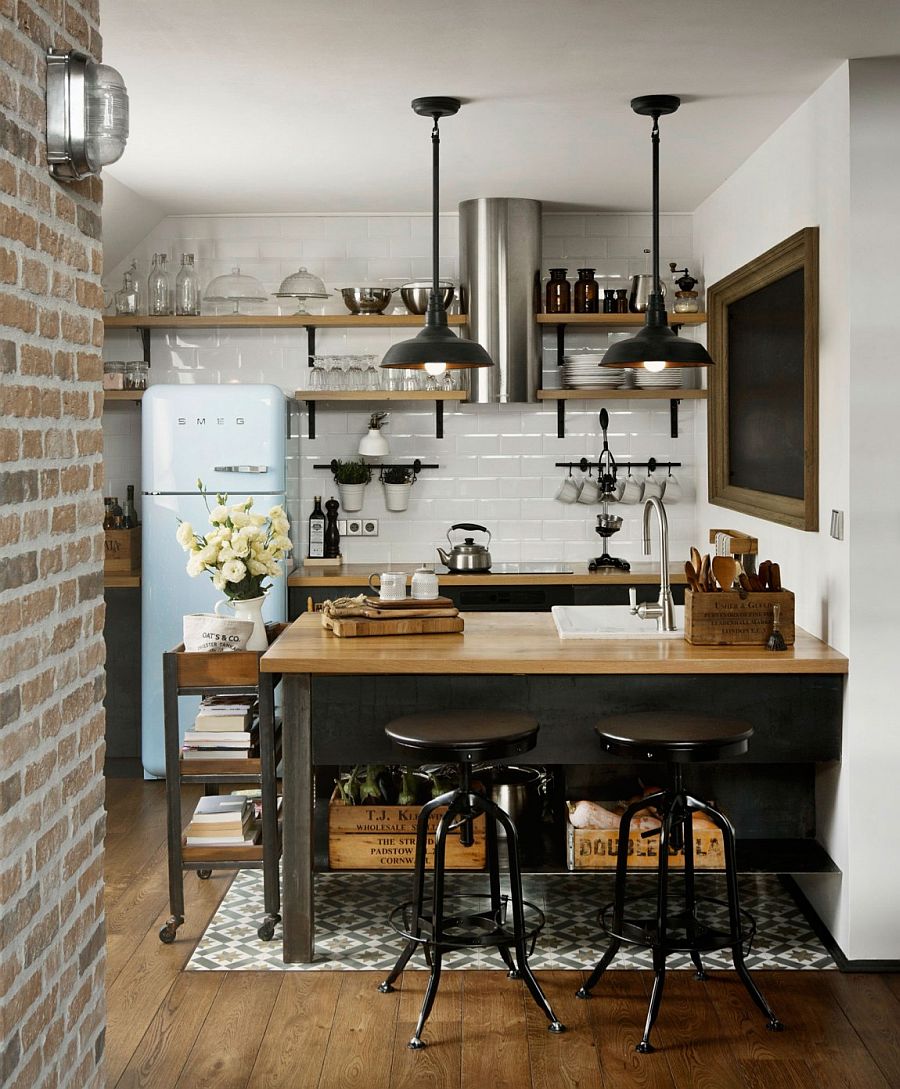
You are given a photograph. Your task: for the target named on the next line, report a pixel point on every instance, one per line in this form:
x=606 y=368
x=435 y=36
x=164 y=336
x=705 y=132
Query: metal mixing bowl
x=415 y=294
x=367 y=300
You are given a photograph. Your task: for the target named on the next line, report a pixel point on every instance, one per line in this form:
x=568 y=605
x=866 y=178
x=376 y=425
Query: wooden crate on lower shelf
x=383 y=837
x=122 y=554
x=596 y=849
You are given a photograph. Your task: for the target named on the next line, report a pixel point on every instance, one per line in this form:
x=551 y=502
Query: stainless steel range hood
x=500 y=275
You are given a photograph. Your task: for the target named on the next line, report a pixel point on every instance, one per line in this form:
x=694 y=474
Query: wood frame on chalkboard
x=794 y=349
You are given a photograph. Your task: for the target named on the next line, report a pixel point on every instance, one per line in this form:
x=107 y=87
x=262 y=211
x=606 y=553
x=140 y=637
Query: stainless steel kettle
x=467 y=556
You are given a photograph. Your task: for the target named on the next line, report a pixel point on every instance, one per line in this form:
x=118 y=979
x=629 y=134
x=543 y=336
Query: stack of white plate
x=670 y=378
x=582 y=370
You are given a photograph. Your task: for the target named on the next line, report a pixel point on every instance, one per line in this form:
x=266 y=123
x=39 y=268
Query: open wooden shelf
x=123 y=395
x=613 y=320
x=274 y=321
x=622 y=394
x=379 y=395
x=118 y=582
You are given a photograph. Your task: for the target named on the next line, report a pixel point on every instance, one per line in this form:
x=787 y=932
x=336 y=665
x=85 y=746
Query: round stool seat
x=464 y=736
x=674 y=738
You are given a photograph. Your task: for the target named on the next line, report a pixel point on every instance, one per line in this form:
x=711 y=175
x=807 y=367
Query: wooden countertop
x=527 y=643
x=357 y=574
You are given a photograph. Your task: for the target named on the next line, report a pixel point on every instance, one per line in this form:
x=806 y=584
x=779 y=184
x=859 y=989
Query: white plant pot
x=351 y=496
x=396 y=496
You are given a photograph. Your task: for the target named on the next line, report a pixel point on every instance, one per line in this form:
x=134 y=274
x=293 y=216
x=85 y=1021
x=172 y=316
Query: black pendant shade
x=656 y=346
x=436 y=345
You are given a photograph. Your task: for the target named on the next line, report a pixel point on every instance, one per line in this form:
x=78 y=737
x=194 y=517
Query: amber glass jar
x=621 y=300
x=559 y=292
x=609 y=301
x=587 y=292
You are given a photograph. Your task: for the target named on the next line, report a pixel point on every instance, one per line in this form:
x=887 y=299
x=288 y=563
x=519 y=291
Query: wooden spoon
x=703 y=578
x=695 y=560
x=765 y=573
x=726 y=569
x=691 y=575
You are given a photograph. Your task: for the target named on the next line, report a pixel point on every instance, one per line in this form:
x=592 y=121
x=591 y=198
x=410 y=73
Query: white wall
x=127 y=219
x=834 y=164
x=497 y=461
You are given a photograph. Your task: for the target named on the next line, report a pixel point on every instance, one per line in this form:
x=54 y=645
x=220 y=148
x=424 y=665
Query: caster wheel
x=385 y=988
x=645 y=1047
x=204 y=875
x=167 y=934
x=582 y=993
x=266 y=932
x=775 y=1025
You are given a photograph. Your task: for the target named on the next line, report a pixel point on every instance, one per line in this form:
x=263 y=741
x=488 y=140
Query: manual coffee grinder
x=607 y=524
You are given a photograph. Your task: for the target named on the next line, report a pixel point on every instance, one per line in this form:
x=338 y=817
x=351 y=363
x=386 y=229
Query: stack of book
x=225 y=728
x=226 y=820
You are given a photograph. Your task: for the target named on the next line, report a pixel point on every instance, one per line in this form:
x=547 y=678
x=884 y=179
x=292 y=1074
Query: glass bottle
x=609 y=300
x=187 y=288
x=158 y=288
x=108 y=521
x=130 y=514
x=559 y=292
x=317 y=530
x=128 y=297
x=621 y=300
x=118 y=515
x=587 y=292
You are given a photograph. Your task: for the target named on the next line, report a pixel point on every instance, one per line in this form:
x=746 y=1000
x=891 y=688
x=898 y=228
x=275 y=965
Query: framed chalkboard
x=763 y=435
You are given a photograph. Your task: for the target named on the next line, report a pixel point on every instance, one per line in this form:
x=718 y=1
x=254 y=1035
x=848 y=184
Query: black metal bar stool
x=677 y=740
x=464 y=738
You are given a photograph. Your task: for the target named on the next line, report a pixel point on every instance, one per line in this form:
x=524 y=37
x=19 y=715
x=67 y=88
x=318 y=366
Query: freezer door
x=229 y=436
x=167 y=593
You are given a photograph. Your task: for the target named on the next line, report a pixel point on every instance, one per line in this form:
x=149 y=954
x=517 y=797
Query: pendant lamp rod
x=436 y=347
x=656 y=345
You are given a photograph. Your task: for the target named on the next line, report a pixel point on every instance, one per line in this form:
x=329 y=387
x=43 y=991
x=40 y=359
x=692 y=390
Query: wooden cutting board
x=407 y=614
x=410 y=603
x=349 y=627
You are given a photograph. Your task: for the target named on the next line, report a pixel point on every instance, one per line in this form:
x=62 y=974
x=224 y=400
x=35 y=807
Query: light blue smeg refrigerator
x=232 y=437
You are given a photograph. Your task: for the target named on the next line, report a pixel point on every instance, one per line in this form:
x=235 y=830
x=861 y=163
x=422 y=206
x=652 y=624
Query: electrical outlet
x=354 y=527
x=370 y=527
x=342 y=526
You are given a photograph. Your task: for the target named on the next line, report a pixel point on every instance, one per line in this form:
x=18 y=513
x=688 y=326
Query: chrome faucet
x=663 y=611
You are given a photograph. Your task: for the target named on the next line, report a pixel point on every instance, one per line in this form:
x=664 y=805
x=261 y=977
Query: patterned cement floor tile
x=352 y=932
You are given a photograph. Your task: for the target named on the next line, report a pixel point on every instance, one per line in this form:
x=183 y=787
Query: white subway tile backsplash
x=496 y=461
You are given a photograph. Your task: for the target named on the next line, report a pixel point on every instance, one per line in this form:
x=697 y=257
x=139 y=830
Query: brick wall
x=51 y=582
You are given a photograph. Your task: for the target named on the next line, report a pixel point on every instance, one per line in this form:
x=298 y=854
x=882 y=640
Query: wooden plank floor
x=170 y=1029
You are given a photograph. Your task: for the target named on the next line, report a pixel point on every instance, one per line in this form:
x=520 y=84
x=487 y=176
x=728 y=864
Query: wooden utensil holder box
x=596 y=849
x=383 y=837
x=123 y=551
x=733 y=619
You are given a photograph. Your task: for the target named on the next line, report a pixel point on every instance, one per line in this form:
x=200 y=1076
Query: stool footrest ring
x=467 y=929
x=706 y=939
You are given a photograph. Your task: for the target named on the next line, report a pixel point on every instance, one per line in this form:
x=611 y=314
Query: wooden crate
x=224 y=669
x=383 y=837
x=734 y=619
x=123 y=551
x=595 y=849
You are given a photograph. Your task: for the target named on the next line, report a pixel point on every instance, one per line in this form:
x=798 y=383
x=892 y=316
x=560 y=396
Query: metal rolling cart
x=235 y=673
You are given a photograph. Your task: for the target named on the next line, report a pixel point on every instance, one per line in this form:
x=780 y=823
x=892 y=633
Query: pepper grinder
x=332 y=533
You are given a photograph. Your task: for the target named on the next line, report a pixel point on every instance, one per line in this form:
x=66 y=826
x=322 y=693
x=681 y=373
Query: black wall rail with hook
x=585 y=465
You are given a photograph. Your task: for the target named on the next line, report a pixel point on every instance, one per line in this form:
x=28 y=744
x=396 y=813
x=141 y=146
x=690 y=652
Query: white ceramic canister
x=424 y=585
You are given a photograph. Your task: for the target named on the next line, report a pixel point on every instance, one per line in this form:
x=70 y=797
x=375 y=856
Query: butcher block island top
x=528 y=643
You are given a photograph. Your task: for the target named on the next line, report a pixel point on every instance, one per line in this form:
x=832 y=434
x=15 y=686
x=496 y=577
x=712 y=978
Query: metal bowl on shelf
x=415 y=295
x=367 y=300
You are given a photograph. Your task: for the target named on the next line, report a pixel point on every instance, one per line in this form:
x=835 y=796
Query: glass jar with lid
x=113 y=374
x=136 y=374
x=128 y=297
x=559 y=292
x=587 y=292
x=158 y=304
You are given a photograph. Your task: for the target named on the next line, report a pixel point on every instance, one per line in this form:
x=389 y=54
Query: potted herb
x=398 y=481
x=351 y=478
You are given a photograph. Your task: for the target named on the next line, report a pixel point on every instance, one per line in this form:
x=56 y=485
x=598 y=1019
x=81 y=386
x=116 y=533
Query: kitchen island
x=339 y=693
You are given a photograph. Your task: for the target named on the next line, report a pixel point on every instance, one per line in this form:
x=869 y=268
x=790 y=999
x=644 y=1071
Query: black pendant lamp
x=656 y=346
x=436 y=348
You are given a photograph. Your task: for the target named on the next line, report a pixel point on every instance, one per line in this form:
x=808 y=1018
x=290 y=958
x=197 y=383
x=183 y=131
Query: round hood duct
x=500 y=281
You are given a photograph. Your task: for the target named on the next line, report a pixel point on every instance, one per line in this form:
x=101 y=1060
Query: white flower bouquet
x=241 y=550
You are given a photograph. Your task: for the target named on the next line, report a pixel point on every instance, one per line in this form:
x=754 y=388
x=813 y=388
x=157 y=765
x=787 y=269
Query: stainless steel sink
x=610 y=622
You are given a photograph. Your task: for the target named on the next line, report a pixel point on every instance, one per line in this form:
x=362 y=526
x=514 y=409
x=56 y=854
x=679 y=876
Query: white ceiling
x=287 y=106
